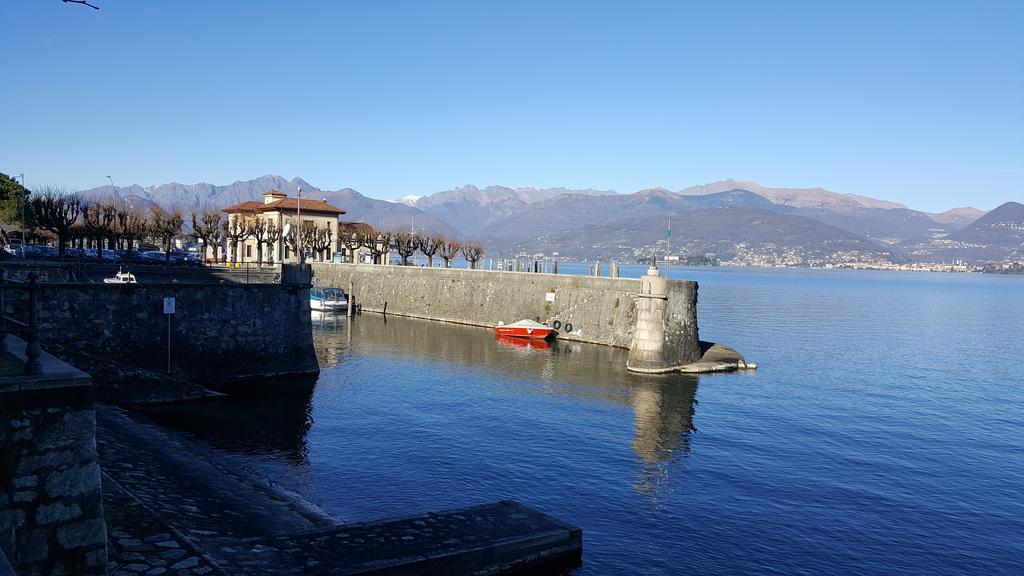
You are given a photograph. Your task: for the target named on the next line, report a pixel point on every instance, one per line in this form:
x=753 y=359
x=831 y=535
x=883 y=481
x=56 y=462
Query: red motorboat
x=530 y=343
x=526 y=329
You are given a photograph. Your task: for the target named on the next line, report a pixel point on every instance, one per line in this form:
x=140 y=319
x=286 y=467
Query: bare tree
x=206 y=227
x=291 y=240
x=98 y=219
x=258 y=231
x=449 y=250
x=131 y=226
x=77 y=235
x=165 y=225
x=352 y=242
x=56 y=210
x=429 y=245
x=473 y=252
x=405 y=244
x=321 y=240
x=235 y=230
x=378 y=245
x=273 y=235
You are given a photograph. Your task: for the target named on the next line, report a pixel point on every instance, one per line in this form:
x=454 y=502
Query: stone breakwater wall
x=51 y=514
x=600 y=310
x=221 y=335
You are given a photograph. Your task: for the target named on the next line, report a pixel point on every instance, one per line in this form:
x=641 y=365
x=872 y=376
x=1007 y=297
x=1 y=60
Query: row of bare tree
x=104 y=223
x=113 y=225
x=406 y=244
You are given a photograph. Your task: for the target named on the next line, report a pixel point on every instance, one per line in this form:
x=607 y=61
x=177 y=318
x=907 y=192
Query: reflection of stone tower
x=663 y=419
x=665 y=336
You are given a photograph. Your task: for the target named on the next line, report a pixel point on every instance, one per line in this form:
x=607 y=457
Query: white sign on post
x=550 y=297
x=168 y=305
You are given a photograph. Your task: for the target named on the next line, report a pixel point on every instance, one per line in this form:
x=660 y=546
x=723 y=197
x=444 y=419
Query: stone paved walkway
x=140 y=543
x=176 y=507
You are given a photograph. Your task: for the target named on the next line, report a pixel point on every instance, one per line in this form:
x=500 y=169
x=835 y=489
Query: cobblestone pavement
x=175 y=507
x=140 y=543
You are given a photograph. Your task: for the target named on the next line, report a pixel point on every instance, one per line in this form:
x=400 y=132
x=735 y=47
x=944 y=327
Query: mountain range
x=735 y=220
x=380 y=214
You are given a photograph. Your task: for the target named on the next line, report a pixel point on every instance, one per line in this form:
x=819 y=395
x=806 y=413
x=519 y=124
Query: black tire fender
x=556 y=324
x=568 y=327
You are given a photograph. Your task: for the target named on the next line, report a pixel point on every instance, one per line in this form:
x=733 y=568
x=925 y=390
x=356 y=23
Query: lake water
x=883 y=432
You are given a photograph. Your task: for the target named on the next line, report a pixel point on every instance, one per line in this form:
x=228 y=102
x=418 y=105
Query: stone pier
x=599 y=310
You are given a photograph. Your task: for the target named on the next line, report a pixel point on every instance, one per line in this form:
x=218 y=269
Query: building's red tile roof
x=357 y=227
x=247 y=206
x=284 y=205
x=290 y=204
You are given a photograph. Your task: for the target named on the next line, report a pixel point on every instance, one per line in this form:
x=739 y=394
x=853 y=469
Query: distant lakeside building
x=271 y=222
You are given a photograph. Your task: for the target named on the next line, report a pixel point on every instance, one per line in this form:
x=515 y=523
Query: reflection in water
x=277 y=424
x=663 y=406
x=663 y=416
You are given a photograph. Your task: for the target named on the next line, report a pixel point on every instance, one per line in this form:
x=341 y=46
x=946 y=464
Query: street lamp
x=298 y=227
x=24 y=213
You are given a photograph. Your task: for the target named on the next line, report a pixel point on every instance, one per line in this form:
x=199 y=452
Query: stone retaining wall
x=51 y=513
x=601 y=310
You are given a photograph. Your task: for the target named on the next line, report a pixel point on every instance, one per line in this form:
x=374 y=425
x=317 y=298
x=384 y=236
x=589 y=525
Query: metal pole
x=298 y=227
x=24 y=214
x=168 y=342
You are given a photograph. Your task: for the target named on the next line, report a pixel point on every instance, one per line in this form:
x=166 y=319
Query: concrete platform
x=178 y=505
x=501 y=538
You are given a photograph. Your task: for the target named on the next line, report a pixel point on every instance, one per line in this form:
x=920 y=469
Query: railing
x=31 y=328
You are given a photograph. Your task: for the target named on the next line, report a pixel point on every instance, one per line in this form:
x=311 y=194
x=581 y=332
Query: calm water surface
x=882 y=434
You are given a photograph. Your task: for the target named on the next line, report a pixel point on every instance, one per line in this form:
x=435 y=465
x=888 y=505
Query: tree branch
x=83 y=2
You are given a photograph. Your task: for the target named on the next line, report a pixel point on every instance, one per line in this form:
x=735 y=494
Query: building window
x=248 y=250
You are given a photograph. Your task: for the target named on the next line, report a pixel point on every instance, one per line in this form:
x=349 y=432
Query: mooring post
x=614 y=269
x=32 y=350
x=597 y=268
x=351 y=299
x=554 y=266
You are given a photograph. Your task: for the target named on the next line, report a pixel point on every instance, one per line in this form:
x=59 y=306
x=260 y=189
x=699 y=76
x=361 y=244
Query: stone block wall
x=601 y=310
x=51 y=514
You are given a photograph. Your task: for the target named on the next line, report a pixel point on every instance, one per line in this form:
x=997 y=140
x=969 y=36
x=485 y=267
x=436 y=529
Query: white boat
x=328 y=299
x=121 y=278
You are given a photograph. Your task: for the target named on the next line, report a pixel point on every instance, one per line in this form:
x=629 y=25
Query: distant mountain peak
x=795 y=197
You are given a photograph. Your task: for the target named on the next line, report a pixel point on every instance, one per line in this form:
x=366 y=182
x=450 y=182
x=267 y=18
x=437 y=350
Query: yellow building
x=256 y=231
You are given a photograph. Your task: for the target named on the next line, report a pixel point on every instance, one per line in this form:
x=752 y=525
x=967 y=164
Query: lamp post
x=24 y=213
x=298 y=225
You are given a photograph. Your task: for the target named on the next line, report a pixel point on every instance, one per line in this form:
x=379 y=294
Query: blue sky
x=918 y=102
